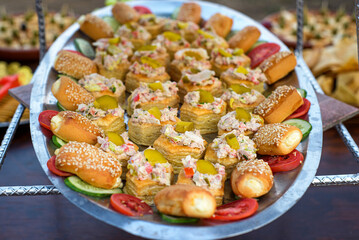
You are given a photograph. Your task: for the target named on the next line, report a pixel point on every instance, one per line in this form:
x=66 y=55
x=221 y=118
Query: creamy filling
x=229 y=122
x=192 y=139
x=122 y=152
x=193 y=98
x=96 y=82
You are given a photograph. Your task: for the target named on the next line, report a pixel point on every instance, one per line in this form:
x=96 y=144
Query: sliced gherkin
x=192 y=54
x=147 y=48
x=153 y=156
x=241 y=69
x=114 y=40
x=238 y=52
x=185 y=79
x=224 y=53
x=182 y=25
x=242 y=115
x=206 y=167
x=232 y=141
x=205 y=34
x=174 y=37
x=155 y=111
x=115 y=138
x=239 y=89
x=195 y=70
x=182 y=127
x=112 y=49
x=205 y=97
x=156 y=86
x=105 y=103
x=152 y=62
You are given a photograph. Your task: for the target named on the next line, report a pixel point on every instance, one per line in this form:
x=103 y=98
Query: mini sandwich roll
x=245 y=38
x=124 y=13
x=72 y=126
x=252 y=179
x=69 y=94
x=190 y=12
x=89 y=163
x=277 y=139
x=221 y=24
x=74 y=65
x=185 y=201
x=95 y=27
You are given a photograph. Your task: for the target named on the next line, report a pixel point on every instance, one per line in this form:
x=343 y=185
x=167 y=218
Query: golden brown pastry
x=134 y=32
x=220 y=24
x=72 y=126
x=283 y=101
x=277 y=139
x=152 y=24
x=69 y=94
x=209 y=41
x=278 y=66
x=124 y=13
x=204 y=174
x=252 y=179
x=185 y=201
x=74 y=65
x=190 y=12
x=89 y=163
x=245 y=38
x=95 y=27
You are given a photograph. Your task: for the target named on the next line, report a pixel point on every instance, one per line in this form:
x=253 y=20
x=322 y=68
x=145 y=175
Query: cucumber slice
x=231 y=34
x=259 y=42
x=112 y=22
x=61 y=108
x=76 y=184
x=84 y=47
x=61 y=75
x=58 y=141
x=302 y=92
x=178 y=220
x=304 y=126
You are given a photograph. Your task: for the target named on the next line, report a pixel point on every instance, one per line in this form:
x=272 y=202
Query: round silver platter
x=289 y=187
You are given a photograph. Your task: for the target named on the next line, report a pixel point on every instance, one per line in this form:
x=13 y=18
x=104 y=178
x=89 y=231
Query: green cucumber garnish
x=304 y=126
x=112 y=22
x=61 y=108
x=259 y=42
x=58 y=141
x=84 y=47
x=178 y=220
x=302 y=92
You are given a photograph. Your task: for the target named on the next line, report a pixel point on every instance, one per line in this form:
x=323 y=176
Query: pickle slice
x=112 y=49
x=155 y=111
x=206 y=167
x=153 y=156
x=152 y=62
x=205 y=34
x=205 y=97
x=192 y=54
x=105 y=103
x=182 y=25
x=243 y=115
x=114 y=40
x=195 y=70
x=130 y=26
x=115 y=138
x=231 y=101
x=174 y=37
x=147 y=48
x=241 y=69
x=182 y=127
x=185 y=79
x=224 y=53
x=239 y=89
x=232 y=141
x=238 y=52
x=148 y=15
x=156 y=86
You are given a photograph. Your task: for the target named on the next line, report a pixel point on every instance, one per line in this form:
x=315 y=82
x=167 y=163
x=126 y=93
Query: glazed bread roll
x=74 y=65
x=245 y=38
x=252 y=179
x=89 y=163
x=283 y=101
x=185 y=201
x=277 y=139
x=69 y=94
x=221 y=24
x=123 y=13
x=190 y=12
x=95 y=27
x=278 y=66
x=72 y=126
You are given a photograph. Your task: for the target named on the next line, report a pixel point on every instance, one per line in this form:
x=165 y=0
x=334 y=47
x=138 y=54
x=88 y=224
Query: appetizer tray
x=288 y=188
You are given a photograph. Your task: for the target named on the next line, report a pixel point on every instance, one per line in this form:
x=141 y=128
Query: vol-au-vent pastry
x=144 y=127
x=188 y=30
x=220 y=24
x=74 y=65
x=72 y=126
x=204 y=110
x=223 y=59
x=177 y=142
x=152 y=24
x=148 y=173
x=124 y=13
x=241 y=120
x=137 y=34
x=253 y=78
x=112 y=57
x=229 y=149
x=89 y=163
x=154 y=51
x=243 y=97
x=100 y=86
x=245 y=38
x=196 y=79
x=187 y=59
x=282 y=102
x=173 y=42
x=106 y=113
x=118 y=146
x=209 y=41
x=204 y=174
x=69 y=94
x=147 y=70
x=189 y=12
x=155 y=94
x=95 y=27
x=277 y=139
x=252 y=179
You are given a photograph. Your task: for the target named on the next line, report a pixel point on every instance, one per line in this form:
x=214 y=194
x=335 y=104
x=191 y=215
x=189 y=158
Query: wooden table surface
x=323 y=213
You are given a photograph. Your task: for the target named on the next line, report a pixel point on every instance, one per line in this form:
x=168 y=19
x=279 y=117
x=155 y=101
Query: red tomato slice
x=45 y=118
x=262 y=52
x=301 y=111
x=283 y=163
x=73 y=51
x=142 y=9
x=52 y=167
x=130 y=205
x=236 y=210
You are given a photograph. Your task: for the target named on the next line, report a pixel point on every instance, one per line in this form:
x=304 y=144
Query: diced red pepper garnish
x=189 y=172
